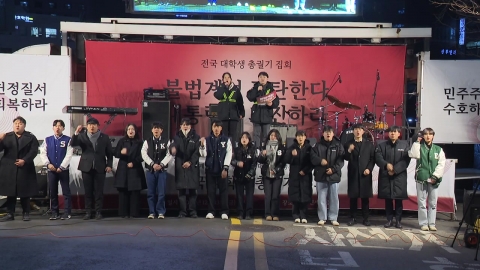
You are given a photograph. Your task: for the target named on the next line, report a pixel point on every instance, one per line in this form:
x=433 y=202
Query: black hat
x=93 y=121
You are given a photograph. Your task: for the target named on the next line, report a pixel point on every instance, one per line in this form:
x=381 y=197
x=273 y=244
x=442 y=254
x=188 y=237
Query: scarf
x=93 y=138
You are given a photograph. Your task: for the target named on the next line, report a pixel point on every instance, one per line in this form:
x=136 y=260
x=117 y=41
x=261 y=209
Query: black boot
x=352 y=222
x=366 y=222
x=8 y=217
x=98 y=216
x=398 y=225
x=26 y=216
x=388 y=224
x=87 y=216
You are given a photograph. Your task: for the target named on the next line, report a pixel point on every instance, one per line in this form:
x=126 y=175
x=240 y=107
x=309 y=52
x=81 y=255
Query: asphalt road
x=172 y=243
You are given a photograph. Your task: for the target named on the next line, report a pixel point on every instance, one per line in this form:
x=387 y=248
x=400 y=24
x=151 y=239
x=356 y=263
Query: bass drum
x=347 y=135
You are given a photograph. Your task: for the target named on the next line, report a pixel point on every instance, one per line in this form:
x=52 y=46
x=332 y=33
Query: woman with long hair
x=271 y=158
x=245 y=163
x=129 y=177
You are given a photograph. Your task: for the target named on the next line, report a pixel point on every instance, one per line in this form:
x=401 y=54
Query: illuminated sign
x=24 y=18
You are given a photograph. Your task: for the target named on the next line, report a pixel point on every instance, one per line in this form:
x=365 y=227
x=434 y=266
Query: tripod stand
x=466 y=211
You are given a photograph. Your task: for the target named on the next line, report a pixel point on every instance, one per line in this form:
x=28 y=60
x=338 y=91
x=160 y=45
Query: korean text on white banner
x=450 y=99
x=35 y=87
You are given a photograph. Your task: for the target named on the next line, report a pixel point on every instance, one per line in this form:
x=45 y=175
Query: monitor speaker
x=155 y=111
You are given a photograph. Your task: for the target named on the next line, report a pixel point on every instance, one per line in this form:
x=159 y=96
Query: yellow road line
x=259 y=249
x=231 y=258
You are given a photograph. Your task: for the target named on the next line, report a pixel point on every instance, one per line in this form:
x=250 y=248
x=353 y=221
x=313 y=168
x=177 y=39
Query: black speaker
x=155 y=111
x=474 y=210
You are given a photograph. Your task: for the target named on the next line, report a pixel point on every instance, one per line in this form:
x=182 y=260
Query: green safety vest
x=229 y=98
x=266 y=93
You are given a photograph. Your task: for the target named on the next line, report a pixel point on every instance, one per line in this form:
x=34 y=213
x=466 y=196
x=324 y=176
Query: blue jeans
x=327 y=190
x=156 y=185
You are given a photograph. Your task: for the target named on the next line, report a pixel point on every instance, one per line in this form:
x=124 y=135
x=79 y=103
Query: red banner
x=117 y=73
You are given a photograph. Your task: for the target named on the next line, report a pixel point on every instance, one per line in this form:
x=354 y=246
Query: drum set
x=374 y=128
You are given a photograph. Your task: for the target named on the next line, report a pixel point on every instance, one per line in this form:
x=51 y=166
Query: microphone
x=339 y=78
x=378 y=75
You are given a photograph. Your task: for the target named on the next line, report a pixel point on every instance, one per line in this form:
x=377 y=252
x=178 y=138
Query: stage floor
x=172 y=243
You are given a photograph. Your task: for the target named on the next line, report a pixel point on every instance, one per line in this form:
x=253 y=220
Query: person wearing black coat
x=230 y=106
x=300 y=176
x=273 y=169
x=96 y=160
x=327 y=157
x=129 y=176
x=185 y=147
x=392 y=160
x=360 y=154
x=265 y=100
x=245 y=162
x=17 y=169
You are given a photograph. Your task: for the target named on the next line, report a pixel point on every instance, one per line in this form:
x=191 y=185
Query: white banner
x=35 y=87
x=446 y=189
x=450 y=100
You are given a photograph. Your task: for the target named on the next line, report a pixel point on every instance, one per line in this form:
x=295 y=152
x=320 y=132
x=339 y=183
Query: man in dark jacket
x=230 y=106
x=156 y=155
x=300 y=177
x=17 y=170
x=264 y=99
x=96 y=160
x=185 y=148
x=217 y=148
x=360 y=154
x=392 y=159
x=327 y=157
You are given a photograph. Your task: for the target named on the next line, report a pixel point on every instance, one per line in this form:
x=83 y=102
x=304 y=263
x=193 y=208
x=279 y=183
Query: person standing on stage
x=17 y=170
x=155 y=153
x=429 y=172
x=56 y=154
x=185 y=148
x=245 y=162
x=265 y=100
x=230 y=106
x=273 y=169
x=327 y=157
x=217 y=148
x=360 y=154
x=129 y=176
x=300 y=177
x=392 y=160
x=96 y=160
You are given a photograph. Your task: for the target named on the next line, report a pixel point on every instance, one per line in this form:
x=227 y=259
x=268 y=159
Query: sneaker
x=210 y=216
x=335 y=223
x=304 y=220
x=161 y=216
x=321 y=222
x=224 y=216
x=297 y=220
x=276 y=219
x=424 y=228
x=151 y=216
x=66 y=216
x=269 y=218
x=54 y=216
x=432 y=228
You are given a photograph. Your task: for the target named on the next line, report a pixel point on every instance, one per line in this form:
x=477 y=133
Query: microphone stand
x=375 y=102
x=288 y=126
x=323 y=116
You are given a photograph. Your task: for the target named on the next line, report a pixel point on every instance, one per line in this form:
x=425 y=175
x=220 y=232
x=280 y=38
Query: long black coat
x=360 y=185
x=129 y=178
x=333 y=153
x=14 y=180
x=102 y=154
x=188 y=149
x=299 y=186
x=395 y=186
x=262 y=114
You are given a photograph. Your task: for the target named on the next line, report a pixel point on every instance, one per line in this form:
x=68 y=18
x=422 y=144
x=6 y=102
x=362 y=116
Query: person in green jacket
x=429 y=171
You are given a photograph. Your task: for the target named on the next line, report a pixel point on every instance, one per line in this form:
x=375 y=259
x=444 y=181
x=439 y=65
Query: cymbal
x=333 y=99
x=388 y=106
x=333 y=112
x=347 y=106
